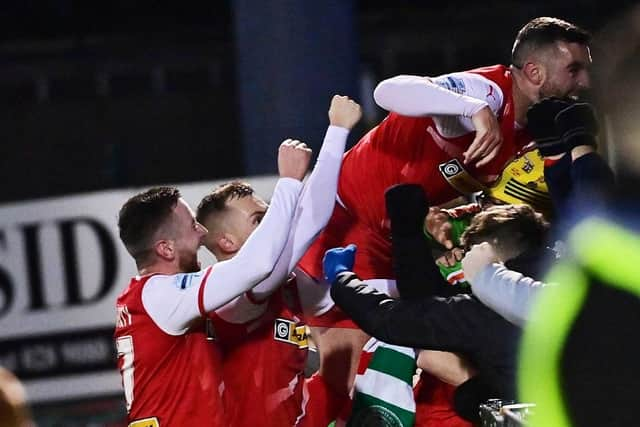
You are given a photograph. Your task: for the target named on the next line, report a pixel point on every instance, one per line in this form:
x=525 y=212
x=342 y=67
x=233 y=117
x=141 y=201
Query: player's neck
x=223 y=256
x=522 y=98
x=159 y=267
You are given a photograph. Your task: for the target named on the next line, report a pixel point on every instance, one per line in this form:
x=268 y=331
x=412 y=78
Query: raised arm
x=259 y=254
x=417 y=96
x=175 y=301
x=471 y=100
x=318 y=196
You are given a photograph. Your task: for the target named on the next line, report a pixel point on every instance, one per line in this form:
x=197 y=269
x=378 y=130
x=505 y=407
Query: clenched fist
x=293 y=159
x=344 y=112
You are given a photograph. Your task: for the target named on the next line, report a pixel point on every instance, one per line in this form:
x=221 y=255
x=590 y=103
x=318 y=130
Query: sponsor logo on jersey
x=450 y=168
x=454 y=84
x=288 y=331
x=459 y=178
x=186 y=280
x=147 y=422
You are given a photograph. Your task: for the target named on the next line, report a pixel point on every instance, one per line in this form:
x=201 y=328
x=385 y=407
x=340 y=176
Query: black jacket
x=459 y=324
x=432 y=314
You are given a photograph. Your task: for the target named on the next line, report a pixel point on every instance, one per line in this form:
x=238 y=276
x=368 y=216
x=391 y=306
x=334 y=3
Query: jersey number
x=124 y=346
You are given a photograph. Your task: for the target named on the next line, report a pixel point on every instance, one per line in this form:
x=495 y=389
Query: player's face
x=245 y=214
x=189 y=236
x=567 y=71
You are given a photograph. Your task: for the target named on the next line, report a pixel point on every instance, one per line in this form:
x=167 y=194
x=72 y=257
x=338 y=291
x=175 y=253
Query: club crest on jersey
x=528 y=165
x=287 y=331
x=186 y=280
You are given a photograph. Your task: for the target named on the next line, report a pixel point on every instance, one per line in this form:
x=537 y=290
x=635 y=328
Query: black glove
x=406 y=207
x=577 y=125
x=542 y=125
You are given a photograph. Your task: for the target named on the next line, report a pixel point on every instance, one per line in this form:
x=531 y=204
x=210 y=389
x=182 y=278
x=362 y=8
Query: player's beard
x=188 y=262
x=550 y=90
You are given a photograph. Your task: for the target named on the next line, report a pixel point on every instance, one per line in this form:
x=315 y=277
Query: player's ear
x=228 y=243
x=165 y=249
x=535 y=72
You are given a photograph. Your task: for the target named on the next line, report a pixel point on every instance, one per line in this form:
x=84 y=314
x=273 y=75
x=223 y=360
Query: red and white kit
x=171 y=370
x=262 y=333
x=421 y=141
x=158 y=375
x=263 y=361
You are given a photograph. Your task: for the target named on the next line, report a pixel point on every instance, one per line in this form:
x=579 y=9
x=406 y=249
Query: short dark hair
x=512 y=229
x=142 y=216
x=544 y=32
x=216 y=201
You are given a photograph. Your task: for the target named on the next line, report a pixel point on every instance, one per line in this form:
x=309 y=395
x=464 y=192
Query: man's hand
x=293 y=159
x=437 y=224
x=541 y=124
x=577 y=125
x=451 y=258
x=338 y=260
x=488 y=140
x=477 y=258
x=344 y=112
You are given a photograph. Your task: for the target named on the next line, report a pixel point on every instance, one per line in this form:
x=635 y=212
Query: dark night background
x=121 y=94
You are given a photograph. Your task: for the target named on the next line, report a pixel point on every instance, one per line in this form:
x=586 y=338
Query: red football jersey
x=168 y=380
x=263 y=363
x=399 y=150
